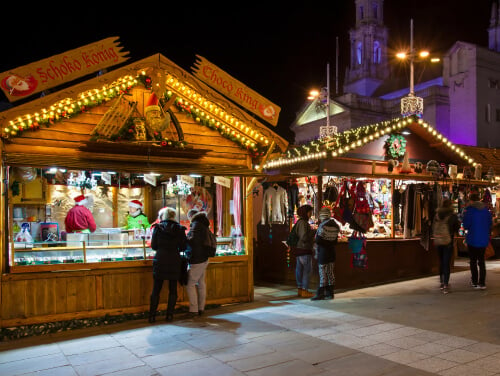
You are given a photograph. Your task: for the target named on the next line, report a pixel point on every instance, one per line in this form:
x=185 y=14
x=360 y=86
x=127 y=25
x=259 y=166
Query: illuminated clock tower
x=368 y=60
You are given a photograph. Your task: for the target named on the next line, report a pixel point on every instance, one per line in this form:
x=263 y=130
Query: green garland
x=396 y=146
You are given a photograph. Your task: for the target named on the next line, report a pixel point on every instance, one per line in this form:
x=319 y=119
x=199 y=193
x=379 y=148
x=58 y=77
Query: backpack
x=210 y=243
x=293 y=237
x=441 y=230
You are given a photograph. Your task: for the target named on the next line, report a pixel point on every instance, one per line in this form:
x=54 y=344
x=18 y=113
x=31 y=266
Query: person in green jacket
x=135 y=217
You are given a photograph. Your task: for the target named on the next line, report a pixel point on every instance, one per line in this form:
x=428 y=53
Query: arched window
x=361 y=13
x=359 y=52
x=377 y=52
x=375 y=10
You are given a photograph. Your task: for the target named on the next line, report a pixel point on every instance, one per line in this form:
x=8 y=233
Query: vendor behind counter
x=135 y=217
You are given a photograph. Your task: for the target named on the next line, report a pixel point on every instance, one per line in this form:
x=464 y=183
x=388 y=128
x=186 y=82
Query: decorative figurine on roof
x=491 y=174
x=391 y=164
x=139 y=130
x=406 y=168
x=452 y=171
x=433 y=167
x=153 y=114
x=467 y=173
x=443 y=172
x=478 y=171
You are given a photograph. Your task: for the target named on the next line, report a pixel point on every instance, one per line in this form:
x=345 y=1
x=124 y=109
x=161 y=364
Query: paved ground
x=404 y=328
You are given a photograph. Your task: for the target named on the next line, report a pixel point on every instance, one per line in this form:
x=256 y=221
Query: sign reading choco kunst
x=235 y=90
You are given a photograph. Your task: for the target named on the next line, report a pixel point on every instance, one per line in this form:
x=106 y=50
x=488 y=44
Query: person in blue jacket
x=477 y=221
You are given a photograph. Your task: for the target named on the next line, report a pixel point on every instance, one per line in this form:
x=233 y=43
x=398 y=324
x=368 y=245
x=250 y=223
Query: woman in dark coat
x=168 y=240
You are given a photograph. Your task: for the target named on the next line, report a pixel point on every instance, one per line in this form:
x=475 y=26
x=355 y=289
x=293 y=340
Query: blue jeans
x=303 y=268
x=444 y=252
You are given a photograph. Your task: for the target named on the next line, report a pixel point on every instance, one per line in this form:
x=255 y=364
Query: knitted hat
x=135 y=204
x=80 y=200
x=324 y=213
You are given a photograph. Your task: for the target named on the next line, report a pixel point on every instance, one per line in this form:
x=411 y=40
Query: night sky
x=275 y=48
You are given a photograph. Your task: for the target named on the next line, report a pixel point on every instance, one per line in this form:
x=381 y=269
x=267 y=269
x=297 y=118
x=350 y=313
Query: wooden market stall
x=98 y=135
x=399 y=154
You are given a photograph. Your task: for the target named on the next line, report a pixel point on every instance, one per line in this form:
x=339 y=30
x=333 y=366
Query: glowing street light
x=412 y=104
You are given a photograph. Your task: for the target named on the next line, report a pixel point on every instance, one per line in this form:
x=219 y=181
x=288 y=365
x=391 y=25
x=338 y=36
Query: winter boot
x=153 y=305
x=172 y=299
x=320 y=294
x=306 y=293
x=329 y=292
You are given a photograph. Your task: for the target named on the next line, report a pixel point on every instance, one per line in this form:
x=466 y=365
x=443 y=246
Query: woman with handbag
x=303 y=250
x=168 y=240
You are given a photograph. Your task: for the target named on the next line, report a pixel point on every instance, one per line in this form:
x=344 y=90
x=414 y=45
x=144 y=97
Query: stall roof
x=352 y=144
x=58 y=112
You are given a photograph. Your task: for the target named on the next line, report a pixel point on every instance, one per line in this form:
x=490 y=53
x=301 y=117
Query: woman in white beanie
x=325 y=239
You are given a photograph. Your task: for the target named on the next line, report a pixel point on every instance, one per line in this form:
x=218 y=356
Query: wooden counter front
x=110 y=288
x=388 y=260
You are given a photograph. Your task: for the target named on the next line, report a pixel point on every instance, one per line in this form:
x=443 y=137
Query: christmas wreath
x=396 y=146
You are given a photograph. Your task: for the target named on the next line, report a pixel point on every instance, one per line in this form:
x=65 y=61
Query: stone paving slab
x=403 y=328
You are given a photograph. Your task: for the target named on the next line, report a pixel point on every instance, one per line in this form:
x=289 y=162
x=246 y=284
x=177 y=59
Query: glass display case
x=102 y=247
x=230 y=246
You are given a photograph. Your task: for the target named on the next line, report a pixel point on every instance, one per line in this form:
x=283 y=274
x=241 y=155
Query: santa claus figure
x=135 y=217
x=79 y=217
x=153 y=115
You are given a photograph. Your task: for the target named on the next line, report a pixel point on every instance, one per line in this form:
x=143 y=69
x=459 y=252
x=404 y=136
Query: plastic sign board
x=44 y=74
x=236 y=91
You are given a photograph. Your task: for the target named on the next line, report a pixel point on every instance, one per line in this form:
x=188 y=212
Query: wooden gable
x=214 y=144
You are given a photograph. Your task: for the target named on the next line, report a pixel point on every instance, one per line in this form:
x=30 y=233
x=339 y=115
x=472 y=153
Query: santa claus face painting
x=19 y=86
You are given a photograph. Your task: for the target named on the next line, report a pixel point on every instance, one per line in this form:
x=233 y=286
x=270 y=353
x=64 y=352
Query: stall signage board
x=150 y=179
x=44 y=74
x=221 y=180
x=236 y=91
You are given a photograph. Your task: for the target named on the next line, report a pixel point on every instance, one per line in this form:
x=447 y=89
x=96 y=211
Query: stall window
x=39 y=205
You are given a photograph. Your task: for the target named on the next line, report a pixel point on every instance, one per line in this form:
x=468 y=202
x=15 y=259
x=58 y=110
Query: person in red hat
x=135 y=217
x=79 y=218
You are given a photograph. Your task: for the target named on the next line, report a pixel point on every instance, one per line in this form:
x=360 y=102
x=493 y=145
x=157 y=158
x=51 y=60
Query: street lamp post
x=411 y=104
x=328 y=130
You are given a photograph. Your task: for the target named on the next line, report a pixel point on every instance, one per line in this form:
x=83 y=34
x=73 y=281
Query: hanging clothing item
x=274 y=207
x=293 y=198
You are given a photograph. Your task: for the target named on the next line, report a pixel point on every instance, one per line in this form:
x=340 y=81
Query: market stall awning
x=368 y=150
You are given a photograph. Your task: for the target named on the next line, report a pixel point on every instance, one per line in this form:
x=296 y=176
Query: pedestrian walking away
x=445 y=225
x=477 y=221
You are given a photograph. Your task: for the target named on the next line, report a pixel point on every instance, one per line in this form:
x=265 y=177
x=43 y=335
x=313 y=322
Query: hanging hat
x=80 y=200
x=152 y=104
x=135 y=204
x=324 y=213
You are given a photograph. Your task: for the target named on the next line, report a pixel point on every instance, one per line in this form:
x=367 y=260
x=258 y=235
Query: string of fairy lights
x=342 y=143
x=188 y=100
x=68 y=107
x=215 y=117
